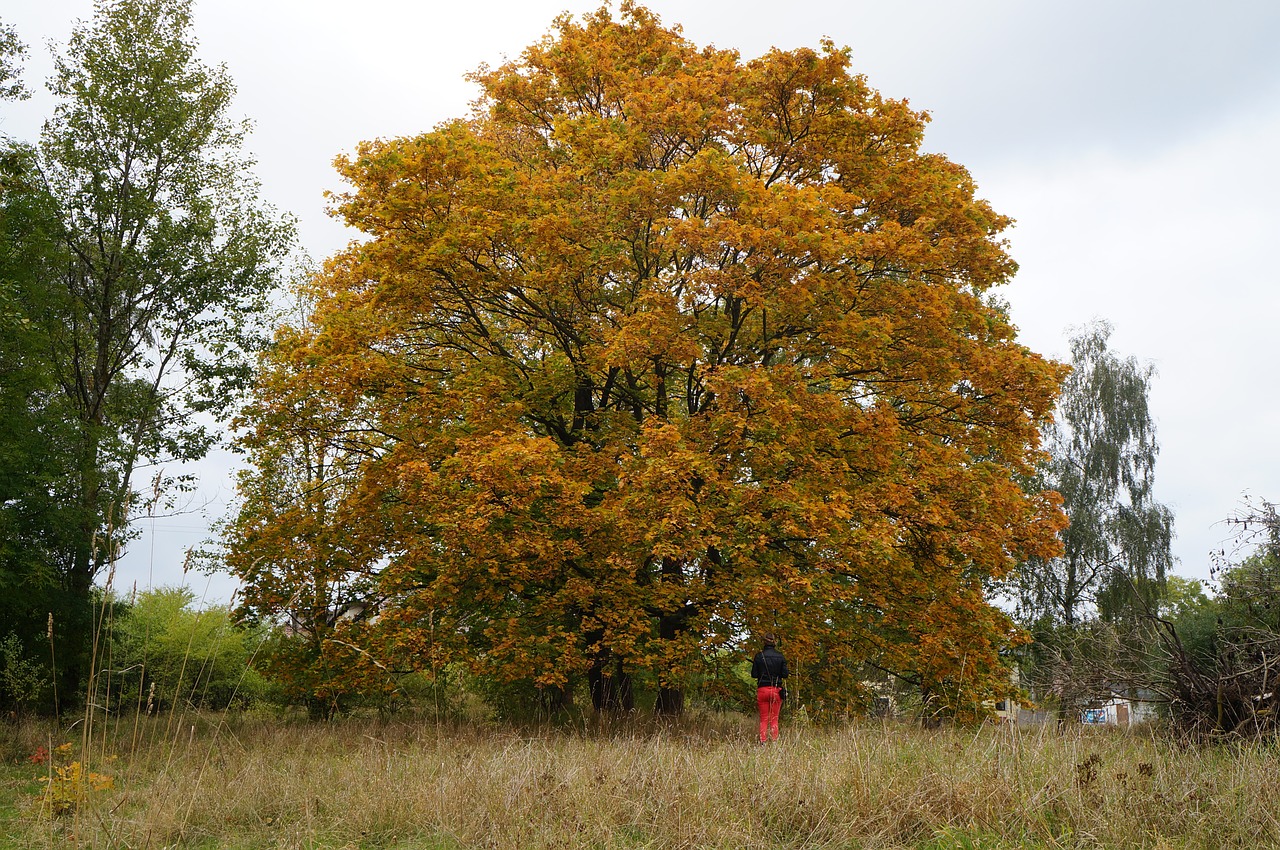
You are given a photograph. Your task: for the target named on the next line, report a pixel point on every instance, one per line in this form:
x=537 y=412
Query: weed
x=68 y=784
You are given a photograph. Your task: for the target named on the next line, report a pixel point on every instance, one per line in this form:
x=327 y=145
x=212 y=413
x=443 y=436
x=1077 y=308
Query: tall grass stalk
x=53 y=665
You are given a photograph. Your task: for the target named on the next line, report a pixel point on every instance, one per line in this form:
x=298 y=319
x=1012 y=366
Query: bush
x=200 y=657
x=23 y=682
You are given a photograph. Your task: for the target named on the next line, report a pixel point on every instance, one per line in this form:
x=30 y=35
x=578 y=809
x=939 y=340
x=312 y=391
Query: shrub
x=200 y=657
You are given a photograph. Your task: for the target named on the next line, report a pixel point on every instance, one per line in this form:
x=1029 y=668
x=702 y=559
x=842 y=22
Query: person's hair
x=771 y=639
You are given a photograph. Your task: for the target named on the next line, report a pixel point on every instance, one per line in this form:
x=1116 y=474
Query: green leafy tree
x=37 y=430
x=1249 y=586
x=1218 y=658
x=141 y=289
x=1183 y=597
x=12 y=52
x=23 y=680
x=171 y=256
x=1102 y=453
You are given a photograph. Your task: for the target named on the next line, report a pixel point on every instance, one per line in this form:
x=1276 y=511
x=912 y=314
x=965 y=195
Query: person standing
x=769 y=669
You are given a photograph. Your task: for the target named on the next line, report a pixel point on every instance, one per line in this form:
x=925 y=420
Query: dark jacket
x=769 y=668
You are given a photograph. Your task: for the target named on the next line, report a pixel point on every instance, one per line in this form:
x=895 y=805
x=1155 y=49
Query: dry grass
x=247 y=783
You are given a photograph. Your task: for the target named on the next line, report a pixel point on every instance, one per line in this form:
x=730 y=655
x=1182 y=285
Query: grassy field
x=245 y=782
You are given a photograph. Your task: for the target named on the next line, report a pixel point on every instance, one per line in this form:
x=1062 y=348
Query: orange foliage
x=658 y=349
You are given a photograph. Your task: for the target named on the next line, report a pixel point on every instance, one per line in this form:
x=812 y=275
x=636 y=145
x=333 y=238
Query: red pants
x=770 y=702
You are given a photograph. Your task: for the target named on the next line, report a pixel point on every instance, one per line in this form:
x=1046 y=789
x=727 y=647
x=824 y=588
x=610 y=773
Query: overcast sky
x=1137 y=144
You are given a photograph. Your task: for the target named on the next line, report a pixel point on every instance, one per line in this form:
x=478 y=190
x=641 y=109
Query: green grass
x=265 y=783
x=16 y=785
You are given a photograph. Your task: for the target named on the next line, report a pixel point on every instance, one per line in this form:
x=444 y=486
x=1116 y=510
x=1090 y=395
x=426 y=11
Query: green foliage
x=170 y=256
x=519 y=701
x=1183 y=597
x=1102 y=453
x=1245 y=609
x=1194 y=615
x=724 y=684
x=12 y=52
x=195 y=657
x=325 y=672
x=1222 y=656
x=23 y=681
x=1250 y=592
x=39 y=515
x=135 y=264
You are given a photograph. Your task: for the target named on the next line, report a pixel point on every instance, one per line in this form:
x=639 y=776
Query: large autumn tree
x=659 y=349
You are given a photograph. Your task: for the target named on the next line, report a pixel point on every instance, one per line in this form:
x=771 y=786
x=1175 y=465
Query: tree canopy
x=656 y=350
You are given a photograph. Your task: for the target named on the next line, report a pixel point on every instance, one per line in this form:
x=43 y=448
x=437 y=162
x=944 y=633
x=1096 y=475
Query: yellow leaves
x=654 y=329
x=70 y=784
x=601 y=67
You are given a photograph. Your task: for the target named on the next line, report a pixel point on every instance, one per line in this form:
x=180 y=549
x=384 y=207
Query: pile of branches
x=1232 y=693
x=1213 y=677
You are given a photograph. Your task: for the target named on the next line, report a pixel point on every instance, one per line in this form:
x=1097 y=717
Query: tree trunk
x=610 y=691
x=557 y=699
x=670 y=702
